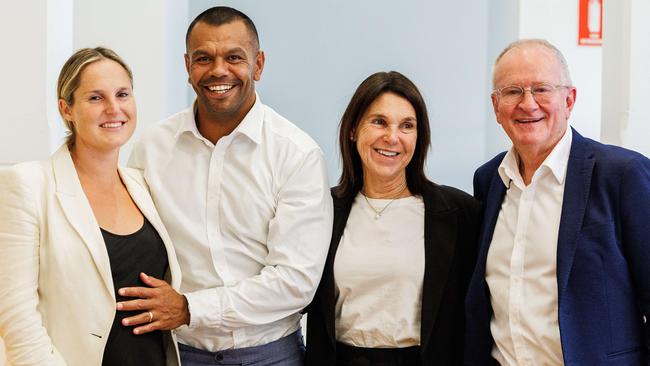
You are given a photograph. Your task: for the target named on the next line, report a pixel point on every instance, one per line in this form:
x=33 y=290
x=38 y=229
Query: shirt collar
x=250 y=126
x=188 y=123
x=556 y=162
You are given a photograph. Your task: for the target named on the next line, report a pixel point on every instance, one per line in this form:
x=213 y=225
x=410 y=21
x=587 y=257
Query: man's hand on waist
x=162 y=307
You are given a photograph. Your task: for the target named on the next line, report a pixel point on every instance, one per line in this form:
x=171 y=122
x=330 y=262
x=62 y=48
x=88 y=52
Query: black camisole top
x=142 y=251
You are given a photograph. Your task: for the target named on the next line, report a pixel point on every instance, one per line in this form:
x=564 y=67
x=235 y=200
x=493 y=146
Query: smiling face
x=385 y=138
x=103 y=113
x=223 y=62
x=534 y=128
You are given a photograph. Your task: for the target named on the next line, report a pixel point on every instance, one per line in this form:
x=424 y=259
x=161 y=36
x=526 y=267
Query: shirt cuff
x=205 y=308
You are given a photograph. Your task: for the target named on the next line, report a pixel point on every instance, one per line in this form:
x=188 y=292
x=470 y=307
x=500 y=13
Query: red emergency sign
x=590 y=25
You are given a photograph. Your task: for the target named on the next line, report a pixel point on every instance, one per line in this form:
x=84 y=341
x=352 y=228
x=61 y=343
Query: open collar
x=250 y=126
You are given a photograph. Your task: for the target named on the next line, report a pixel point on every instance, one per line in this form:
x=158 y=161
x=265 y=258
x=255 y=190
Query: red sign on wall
x=590 y=25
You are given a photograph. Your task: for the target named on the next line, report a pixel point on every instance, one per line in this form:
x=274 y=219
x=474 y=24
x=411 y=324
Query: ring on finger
x=150 y=316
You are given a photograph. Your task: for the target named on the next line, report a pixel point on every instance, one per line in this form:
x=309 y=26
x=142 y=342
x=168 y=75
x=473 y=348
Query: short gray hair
x=522 y=43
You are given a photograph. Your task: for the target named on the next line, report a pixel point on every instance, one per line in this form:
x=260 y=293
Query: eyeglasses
x=513 y=94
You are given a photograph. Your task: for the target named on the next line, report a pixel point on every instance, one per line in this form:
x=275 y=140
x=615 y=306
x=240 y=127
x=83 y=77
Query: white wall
x=626 y=56
x=503 y=28
x=36 y=36
x=59 y=48
x=150 y=36
x=29 y=41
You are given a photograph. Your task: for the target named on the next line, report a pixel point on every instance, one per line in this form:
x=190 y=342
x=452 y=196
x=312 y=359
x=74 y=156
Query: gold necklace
x=379 y=212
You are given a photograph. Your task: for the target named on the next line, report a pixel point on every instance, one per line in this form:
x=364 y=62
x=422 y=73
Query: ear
x=187 y=64
x=570 y=100
x=495 y=106
x=65 y=110
x=259 y=65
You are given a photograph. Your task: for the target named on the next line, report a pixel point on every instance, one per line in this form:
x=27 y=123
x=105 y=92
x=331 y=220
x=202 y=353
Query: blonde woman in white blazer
x=57 y=217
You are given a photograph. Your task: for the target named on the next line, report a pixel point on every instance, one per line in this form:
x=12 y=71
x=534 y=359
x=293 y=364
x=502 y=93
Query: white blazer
x=57 y=301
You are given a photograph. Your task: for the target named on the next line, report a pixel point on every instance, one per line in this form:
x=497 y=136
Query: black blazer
x=451 y=224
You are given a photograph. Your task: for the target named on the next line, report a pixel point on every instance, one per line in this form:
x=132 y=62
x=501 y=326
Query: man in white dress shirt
x=244 y=195
x=562 y=275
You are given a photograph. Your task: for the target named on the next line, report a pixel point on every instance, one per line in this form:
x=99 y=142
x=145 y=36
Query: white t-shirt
x=378 y=271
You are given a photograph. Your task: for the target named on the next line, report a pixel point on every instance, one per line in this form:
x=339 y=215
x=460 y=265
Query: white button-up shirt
x=522 y=262
x=250 y=218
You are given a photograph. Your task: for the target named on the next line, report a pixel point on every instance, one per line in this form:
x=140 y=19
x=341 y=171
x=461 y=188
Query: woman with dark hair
x=402 y=248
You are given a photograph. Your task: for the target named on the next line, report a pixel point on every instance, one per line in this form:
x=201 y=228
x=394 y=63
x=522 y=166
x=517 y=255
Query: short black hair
x=220 y=15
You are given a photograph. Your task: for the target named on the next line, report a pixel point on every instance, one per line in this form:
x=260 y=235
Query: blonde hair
x=70 y=77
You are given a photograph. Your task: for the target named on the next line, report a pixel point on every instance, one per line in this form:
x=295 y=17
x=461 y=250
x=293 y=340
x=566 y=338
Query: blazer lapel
x=342 y=209
x=142 y=199
x=576 y=192
x=79 y=214
x=440 y=228
x=493 y=200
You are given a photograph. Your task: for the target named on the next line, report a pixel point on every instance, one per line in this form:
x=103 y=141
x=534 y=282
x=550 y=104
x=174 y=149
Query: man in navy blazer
x=563 y=273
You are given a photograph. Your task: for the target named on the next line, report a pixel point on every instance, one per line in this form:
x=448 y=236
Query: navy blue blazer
x=603 y=258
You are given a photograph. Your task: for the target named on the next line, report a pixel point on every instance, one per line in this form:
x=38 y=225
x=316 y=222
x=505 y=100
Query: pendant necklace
x=379 y=212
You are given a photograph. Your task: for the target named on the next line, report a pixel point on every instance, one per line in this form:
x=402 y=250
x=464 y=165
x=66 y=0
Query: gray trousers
x=286 y=351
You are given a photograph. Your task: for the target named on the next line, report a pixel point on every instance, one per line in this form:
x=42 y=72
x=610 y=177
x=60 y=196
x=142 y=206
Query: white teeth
x=386 y=152
x=530 y=120
x=111 y=124
x=220 y=88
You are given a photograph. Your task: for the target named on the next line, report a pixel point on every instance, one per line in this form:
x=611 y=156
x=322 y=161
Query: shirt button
x=219 y=356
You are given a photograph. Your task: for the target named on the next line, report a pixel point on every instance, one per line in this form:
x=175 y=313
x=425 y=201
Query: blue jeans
x=286 y=351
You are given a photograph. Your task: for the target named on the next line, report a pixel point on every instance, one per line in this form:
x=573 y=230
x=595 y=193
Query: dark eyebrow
x=382 y=116
x=237 y=50
x=375 y=115
x=198 y=52
x=202 y=52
